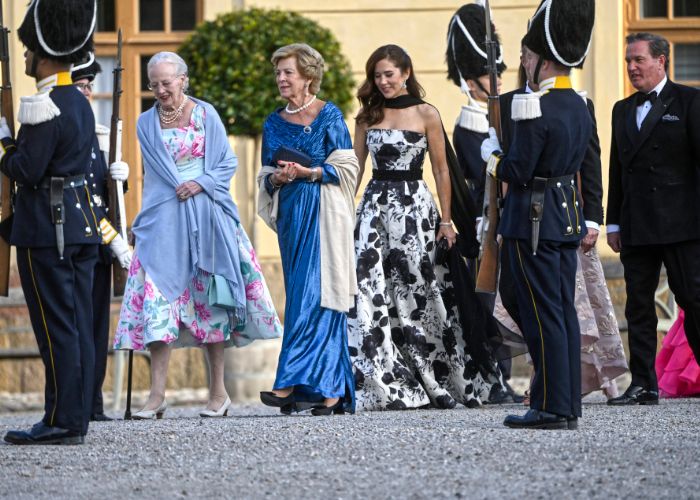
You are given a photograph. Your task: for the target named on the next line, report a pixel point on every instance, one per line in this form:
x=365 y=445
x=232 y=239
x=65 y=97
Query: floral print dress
x=407 y=344
x=146 y=316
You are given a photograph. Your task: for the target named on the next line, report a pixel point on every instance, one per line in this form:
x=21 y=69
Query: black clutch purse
x=441 y=252
x=285 y=153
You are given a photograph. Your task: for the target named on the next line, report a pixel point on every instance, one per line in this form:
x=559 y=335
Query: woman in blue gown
x=314 y=365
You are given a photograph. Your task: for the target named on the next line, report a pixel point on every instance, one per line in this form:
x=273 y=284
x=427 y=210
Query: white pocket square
x=670 y=118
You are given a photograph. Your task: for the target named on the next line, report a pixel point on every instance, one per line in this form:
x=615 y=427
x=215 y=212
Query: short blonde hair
x=309 y=62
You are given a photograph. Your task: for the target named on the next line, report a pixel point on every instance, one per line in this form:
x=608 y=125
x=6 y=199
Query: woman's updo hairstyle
x=309 y=62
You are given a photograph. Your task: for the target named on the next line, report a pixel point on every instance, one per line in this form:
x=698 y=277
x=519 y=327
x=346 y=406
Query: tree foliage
x=229 y=64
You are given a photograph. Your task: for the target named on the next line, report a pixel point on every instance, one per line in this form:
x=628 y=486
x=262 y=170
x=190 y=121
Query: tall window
x=679 y=22
x=668 y=8
x=102 y=91
x=148 y=26
x=167 y=15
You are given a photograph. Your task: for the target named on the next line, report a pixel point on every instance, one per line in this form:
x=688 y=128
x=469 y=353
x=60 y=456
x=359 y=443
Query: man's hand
x=614 y=242
x=589 y=240
x=119 y=171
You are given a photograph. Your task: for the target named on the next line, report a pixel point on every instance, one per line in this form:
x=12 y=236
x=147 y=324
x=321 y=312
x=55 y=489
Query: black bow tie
x=642 y=97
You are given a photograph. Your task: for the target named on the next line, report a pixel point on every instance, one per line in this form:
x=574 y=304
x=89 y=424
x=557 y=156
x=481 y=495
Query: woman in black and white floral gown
x=406 y=341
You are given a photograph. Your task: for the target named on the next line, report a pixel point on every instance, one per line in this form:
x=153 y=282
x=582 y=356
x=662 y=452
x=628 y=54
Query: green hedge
x=229 y=64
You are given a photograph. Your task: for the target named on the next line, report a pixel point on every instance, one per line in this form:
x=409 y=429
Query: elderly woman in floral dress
x=188 y=234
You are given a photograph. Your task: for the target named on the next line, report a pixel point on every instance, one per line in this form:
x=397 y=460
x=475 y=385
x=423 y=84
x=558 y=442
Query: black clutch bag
x=441 y=252
x=285 y=153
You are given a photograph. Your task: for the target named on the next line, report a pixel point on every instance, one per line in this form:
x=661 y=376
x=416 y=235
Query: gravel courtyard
x=635 y=452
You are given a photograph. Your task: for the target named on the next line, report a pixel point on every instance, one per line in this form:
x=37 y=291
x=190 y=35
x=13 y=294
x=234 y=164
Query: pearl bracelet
x=448 y=223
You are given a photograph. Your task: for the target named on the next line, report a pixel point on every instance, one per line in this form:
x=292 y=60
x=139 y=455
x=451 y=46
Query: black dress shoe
x=321 y=411
x=43 y=434
x=100 y=417
x=269 y=398
x=536 y=419
x=636 y=395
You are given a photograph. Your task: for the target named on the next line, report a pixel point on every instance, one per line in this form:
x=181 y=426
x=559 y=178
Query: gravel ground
x=634 y=452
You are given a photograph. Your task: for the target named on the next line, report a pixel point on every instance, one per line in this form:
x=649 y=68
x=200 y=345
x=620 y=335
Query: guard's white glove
x=119 y=171
x=121 y=251
x=479 y=228
x=4 y=129
x=489 y=145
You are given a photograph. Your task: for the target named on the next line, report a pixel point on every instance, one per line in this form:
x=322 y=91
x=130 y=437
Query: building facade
x=420 y=26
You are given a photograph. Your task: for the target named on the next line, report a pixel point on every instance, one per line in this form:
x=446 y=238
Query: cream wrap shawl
x=336 y=228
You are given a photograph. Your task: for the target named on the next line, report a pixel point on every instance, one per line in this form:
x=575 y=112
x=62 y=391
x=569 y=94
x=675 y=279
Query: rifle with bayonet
x=117 y=210
x=116 y=213
x=487 y=278
x=6 y=185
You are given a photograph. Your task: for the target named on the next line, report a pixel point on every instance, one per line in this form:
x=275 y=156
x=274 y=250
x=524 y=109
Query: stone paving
x=633 y=452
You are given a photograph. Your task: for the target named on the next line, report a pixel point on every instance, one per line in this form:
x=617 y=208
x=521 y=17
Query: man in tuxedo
x=653 y=214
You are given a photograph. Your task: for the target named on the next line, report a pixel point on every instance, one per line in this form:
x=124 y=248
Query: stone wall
x=248 y=370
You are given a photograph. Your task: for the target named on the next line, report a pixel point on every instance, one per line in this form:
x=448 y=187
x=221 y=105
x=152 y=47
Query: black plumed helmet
x=88 y=69
x=60 y=30
x=561 y=31
x=466 y=44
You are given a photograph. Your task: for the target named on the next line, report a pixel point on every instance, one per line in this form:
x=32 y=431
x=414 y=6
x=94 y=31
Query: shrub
x=229 y=64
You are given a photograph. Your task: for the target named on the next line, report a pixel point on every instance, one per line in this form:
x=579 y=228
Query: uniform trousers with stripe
x=544 y=288
x=101 y=297
x=58 y=293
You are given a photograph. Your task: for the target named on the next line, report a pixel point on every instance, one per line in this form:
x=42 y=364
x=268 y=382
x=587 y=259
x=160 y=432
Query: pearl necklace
x=300 y=108
x=168 y=117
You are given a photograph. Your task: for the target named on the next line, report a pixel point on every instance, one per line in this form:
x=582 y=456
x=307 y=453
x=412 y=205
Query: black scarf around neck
x=403 y=101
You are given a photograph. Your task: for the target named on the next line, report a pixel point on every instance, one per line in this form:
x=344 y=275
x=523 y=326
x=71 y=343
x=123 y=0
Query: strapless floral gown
x=406 y=342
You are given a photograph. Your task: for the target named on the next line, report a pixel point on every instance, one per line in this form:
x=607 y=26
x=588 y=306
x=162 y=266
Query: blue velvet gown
x=315 y=359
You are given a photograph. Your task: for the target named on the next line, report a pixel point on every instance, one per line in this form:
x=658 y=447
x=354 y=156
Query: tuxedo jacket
x=654 y=192
x=552 y=145
x=591 y=170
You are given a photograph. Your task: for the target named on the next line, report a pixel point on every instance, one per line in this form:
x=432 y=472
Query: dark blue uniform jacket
x=60 y=147
x=552 y=145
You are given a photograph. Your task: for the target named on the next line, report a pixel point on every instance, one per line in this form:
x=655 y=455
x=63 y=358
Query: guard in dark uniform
x=467 y=68
x=83 y=76
x=55 y=229
x=542 y=221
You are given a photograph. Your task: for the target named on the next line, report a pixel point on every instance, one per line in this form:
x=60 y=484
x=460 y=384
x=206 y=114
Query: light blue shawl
x=175 y=238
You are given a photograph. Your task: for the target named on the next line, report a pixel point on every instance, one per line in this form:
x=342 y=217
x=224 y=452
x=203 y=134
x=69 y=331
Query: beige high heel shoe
x=221 y=412
x=151 y=414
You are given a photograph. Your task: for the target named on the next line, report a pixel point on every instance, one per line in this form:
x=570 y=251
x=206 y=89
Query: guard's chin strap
x=35 y=64
x=536 y=76
x=481 y=87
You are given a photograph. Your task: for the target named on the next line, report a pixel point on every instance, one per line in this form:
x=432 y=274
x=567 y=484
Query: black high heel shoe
x=269 y=398
x=324 y=411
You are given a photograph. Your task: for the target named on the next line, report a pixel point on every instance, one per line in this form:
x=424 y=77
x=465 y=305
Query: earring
x=403 y=85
